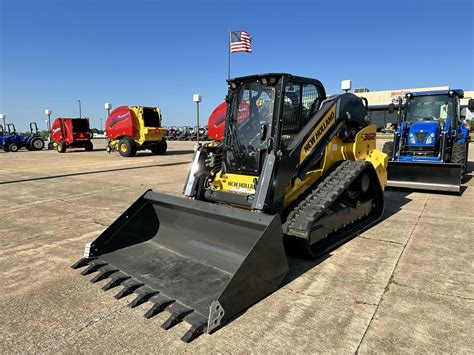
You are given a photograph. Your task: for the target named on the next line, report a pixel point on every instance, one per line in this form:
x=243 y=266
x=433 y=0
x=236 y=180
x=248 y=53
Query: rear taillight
x=158 y=130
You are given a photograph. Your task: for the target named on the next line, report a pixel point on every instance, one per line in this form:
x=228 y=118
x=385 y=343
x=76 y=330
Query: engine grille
x=421 y=136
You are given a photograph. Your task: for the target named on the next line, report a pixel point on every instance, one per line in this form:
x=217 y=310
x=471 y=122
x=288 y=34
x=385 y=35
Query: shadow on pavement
x=92 y=172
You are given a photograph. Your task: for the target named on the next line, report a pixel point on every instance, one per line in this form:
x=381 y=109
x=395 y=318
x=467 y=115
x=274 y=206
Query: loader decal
x=326 y=122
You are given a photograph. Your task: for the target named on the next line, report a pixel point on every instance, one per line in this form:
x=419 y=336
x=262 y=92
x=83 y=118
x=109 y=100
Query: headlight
x=430 y=138
x=411 y=138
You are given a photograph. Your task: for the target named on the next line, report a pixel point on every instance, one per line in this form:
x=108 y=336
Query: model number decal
x=368 y=136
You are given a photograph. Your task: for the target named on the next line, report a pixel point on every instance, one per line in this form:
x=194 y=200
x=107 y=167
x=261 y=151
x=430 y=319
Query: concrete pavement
x=404 y=285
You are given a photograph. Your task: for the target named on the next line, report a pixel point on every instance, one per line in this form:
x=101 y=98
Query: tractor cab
x=426 y=118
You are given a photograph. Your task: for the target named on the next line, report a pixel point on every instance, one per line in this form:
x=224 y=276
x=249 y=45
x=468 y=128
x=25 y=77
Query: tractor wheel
x=37 y=144
x=108 y=149
x=459 y=155
x=159 y=148
x=127 y=147
x=13 y=148
x=50 y=146
x=89 y=147
x=388 y=148
x=61 y=148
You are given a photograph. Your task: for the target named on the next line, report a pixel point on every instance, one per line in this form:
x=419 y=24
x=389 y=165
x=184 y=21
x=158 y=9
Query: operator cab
x=427 y=116
x=260 y=106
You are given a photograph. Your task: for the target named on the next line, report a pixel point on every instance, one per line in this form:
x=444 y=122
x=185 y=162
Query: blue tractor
x=12 y=141
x=430 y=146
x=33 y=141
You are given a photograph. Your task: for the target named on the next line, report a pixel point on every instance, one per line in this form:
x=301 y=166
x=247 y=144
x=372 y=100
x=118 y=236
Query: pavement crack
x=429 y=291
x=100 y=223
x=58 y=345
x=390 y=280
x=96 y=320
x=381 y=240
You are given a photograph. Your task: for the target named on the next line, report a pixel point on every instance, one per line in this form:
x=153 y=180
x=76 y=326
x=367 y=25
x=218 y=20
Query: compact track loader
x=295 y=167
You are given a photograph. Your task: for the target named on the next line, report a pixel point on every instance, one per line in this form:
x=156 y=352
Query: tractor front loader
x=295 y=166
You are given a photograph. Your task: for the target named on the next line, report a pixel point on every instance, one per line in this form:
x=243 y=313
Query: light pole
x=108 y=107
x=197 y=98
x=48 y=113
x=4 y=118
x=80 y=111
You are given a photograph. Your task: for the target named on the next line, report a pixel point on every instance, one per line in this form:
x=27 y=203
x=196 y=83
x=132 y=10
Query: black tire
x=159 y=148
x=89 y=147
x=127 y=147
x=61 y=148
x=5 y=149
x=13 y=148
x=50 y=146
x=37 y=144
x=388 y=148
x=459 y=155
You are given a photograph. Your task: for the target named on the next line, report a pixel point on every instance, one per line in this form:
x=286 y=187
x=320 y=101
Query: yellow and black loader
x=296 y=169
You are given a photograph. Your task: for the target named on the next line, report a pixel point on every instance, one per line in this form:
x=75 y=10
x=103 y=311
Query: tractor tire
x=388 y=148
x=127 y=147
x=159 y=148
x=108 y=149
x=13 y=148
x=37 y=144
x=5 y=149
x=89 y=147
x=61 y=148
x=50 y=146
x=459 y=155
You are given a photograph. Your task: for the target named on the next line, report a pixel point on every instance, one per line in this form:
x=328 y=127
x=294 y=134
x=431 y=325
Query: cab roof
x=457 y=92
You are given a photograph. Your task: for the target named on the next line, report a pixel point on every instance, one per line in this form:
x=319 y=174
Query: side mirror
x=470 y=105
x=263 y=132
x=391 y=108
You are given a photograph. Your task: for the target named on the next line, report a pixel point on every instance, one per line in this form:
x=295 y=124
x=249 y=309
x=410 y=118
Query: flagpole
x=228 y=49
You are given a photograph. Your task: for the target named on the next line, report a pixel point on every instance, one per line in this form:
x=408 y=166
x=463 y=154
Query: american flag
x=240 y=41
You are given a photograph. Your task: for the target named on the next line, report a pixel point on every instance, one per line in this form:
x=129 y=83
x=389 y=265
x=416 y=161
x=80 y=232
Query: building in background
x=379 y=101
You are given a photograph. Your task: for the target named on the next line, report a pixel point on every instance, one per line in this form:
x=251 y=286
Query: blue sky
x=158 y=53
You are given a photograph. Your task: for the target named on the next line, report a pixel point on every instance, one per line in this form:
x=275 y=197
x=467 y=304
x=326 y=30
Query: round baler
x=133 y=128
x=71 y=133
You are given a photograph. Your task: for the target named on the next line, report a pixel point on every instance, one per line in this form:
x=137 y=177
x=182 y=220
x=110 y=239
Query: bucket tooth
x=103 y=274
x=194 y=332
x=115 y=281
x=160 y=302
x=178 y=313
x=81 y=263
x=128 y=289
x=141 y=298
x=93 y=267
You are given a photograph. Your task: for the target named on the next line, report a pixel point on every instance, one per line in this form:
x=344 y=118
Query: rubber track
x=309 y=210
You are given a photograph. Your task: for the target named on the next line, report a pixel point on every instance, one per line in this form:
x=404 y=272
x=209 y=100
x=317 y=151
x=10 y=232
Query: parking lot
x=405 y=285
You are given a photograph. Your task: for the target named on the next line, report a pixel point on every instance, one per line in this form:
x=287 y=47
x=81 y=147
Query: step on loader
x=295 y=167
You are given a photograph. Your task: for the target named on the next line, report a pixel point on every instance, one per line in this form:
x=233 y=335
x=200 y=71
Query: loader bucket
x=425 y=176
x=202 y=262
